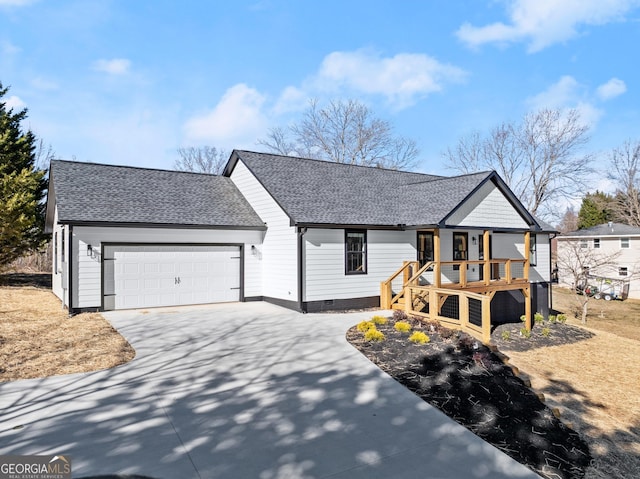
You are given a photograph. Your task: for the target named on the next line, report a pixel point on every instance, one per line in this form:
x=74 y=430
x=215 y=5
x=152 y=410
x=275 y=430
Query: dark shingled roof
x=616 y=229
x=322 y=192
x=95 y=193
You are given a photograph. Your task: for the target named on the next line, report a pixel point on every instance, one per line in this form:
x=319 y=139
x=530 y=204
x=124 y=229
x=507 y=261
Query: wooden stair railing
x=386 y=289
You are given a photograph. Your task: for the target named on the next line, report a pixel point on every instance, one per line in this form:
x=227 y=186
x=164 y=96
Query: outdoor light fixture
x=473 y=240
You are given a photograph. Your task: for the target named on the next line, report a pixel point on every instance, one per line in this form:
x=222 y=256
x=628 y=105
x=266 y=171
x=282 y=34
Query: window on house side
x=355 y=245
x=596 y=243
x=623 y=271
x=62 y=246
x=624 y=243
x=460 y=241
x=584 y=243
x=533 y=250
x=55 y=252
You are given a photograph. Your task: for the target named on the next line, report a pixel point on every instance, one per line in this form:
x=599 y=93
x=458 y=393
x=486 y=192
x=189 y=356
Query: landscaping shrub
x=562 y=318
x=446 y=333
x=402 y=326
x=373 y=335
x=364 y=326
x=419 y=337
x=538 y=318
x=546 y=332
x=506 y=335
x=399 y=315
x=525 y=333
x=379 y=320
x=552 y=318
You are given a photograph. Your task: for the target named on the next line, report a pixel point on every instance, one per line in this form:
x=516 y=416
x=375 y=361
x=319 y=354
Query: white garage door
x=145 y=276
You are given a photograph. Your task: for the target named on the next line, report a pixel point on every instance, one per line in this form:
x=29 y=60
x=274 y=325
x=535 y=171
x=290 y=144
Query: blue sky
x=128 y=82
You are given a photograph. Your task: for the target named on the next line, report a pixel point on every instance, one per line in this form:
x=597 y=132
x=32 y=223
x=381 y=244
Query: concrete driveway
x=242 y=390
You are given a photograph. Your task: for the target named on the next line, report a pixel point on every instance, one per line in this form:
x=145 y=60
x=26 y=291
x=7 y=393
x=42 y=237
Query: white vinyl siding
x=324 y=263
x=279 y=247
x=87 y=273
x=487 y=207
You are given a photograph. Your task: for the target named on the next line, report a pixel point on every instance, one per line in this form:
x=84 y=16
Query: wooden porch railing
x=457 y=309
x=444 y=291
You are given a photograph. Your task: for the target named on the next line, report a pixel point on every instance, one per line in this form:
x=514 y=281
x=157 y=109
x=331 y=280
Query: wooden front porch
x=444 y=290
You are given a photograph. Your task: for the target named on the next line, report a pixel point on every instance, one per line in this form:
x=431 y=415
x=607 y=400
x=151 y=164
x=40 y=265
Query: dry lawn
x=595 y=384
x=39 y=339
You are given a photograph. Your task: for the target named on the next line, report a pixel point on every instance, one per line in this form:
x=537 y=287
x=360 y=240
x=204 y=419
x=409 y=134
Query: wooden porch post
x=486 y=319
x=527 y=254
x=436 y=257
x=526 y=291
x=486 y=271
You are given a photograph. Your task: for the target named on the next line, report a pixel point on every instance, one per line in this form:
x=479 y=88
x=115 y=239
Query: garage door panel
x=159 y=275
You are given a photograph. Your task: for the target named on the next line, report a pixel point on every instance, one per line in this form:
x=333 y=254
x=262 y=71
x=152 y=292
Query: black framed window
x=355 y=251
x=62 y=252
x=460 y=246
x=533 y=250
x=623 y=270
x=596 y=243
x=425 y=247
x=624 y=243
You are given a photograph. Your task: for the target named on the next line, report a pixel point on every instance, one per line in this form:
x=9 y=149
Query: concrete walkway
x=243 y=390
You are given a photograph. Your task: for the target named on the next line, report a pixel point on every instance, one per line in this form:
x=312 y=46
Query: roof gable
x=315 y=192
x=97 y=193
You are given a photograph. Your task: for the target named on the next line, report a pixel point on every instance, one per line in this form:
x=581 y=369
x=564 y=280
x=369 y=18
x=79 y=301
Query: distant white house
x=617 y=241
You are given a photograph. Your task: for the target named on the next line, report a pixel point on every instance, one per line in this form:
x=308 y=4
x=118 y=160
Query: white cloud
x=542 y=23
x=236 y=121
x=115 y=66
x=15 y=103
x=44 y=84
x=613 y=88
x=567 y=93
x=401 y=79
x=291 y=99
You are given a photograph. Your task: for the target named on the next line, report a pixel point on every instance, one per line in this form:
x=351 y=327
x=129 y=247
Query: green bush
x=419 y=337
x=506 y=335
x=538 y=318
x=552 y=318
x=373 y=335
x=523 y=318
x=524 y=332
x=562 y=318
x=546 y=332
x=379 y=320
x=364 y=326
x=402 y=326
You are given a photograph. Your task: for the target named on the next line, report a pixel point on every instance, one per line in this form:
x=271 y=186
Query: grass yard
x=594 y=382
x=39 y=339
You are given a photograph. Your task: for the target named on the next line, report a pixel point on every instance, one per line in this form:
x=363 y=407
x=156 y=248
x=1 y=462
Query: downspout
x=301 y=306
x=70 y=269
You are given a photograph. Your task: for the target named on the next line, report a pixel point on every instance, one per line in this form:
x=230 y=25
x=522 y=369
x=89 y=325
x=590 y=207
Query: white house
x=306 y=234
x=618 y=243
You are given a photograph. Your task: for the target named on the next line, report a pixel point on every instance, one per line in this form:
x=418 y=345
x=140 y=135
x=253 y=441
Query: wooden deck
x=442 y=291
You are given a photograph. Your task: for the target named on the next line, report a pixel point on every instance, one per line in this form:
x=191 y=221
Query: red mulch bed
x=472 y=385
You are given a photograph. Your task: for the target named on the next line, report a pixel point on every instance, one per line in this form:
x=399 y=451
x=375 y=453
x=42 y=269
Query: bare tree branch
x=343 y=132
x=203 y=159
x=539 y=158
x=625 y=162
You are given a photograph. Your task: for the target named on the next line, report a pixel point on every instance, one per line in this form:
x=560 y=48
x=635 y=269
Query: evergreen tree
x=22 y=187
x=596 y=209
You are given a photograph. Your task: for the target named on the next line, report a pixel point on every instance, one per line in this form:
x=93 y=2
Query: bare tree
x=625 y=162
x=576 y=261
x=569 y=221
x=202 y=159
x=539 y=158
x=344 y=132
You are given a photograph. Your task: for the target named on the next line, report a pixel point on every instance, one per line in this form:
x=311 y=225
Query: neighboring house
x=306 y=234
x=618 y=242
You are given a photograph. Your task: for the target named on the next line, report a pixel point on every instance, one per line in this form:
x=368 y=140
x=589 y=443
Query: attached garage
x=127 y=238
x=147 y=276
